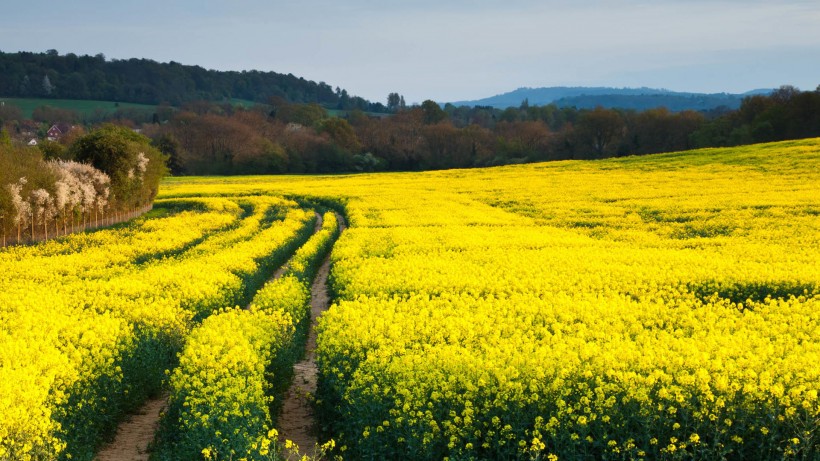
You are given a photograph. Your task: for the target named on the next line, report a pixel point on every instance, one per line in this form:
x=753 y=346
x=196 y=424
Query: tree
x=368 y=162
x=49 y=114
x=395 y=102
x=303 y=114
x=147 y=81
x=52 y=150
x=600 y=129
x=433 y=113
x=523 y=140
x=169 y=146
x=341 y=133
x=10 y=113
x=658 y=130
x=127 y=157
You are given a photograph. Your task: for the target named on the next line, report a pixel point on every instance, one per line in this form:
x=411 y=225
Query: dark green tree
x=433 y=113
x=169 y=146
x=341 y=133
x=600 y=129
x=395 y=102
x=134 y=166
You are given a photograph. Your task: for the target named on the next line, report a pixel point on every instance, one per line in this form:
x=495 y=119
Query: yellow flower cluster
x=219 y=392
x=88 y=323
x=237 y=360
x=306 y=260
x=660 y=307
x=672 y=298
x=291 y=292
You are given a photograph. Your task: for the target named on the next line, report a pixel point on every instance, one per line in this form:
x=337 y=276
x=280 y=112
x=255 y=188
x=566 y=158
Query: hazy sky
x=448 y=50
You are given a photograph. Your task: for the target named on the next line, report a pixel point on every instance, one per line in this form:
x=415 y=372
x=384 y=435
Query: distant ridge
x=50 y=75
x=624 y=98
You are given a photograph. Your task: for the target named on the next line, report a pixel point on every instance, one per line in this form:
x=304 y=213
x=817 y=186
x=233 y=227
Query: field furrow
x=662 y=307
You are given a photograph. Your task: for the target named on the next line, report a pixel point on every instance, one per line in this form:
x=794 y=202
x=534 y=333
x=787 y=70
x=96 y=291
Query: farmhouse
x=57 y=130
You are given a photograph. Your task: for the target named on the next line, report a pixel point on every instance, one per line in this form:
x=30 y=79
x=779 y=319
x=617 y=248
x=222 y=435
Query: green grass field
x=82 y=107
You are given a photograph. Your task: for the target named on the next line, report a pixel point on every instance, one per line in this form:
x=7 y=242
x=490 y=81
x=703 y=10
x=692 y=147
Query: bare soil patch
x=136 y=434
x=297 y=422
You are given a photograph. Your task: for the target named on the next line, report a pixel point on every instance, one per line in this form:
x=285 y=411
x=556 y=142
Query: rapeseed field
x=656 y=307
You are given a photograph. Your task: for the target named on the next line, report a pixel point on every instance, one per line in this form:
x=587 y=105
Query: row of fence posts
x=90 y=223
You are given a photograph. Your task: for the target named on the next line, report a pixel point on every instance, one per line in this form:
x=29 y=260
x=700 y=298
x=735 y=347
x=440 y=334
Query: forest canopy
x=51 y=75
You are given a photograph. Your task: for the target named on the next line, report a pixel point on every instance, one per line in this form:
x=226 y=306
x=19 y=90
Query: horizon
x=471 y=100
x=457 y=51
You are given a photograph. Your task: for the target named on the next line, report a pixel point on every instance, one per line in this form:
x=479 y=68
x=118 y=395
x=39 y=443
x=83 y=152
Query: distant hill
x=143 y=81
x=623 y=98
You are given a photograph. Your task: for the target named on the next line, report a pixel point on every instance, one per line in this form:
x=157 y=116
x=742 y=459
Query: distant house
x=33 y=142
x=57 y=131
x=27 y=128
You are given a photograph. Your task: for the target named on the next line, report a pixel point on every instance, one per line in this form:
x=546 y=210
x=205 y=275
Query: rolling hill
x=625 y=98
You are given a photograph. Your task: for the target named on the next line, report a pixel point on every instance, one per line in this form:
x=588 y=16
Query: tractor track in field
x=135 y=435
x=297 y=422
x=316 y=228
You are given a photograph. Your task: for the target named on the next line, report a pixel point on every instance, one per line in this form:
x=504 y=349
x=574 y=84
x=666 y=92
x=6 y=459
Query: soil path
x=136 y=433
x=297 y=422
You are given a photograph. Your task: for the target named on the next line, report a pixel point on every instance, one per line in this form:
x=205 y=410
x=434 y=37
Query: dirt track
x=135 y=435
x=297 y=422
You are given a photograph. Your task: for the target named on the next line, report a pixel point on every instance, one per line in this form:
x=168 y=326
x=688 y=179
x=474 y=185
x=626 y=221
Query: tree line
x=279 y=136
x=303 y=138
x=50 y=192
x=51 y=75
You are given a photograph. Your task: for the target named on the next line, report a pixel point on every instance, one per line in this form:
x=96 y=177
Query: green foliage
x=52 y=150
x=785 y=114
x=367 y=162
x=395 y=102
x=303 y=114
x=429 y=137
x=599 y=130
x=432 y=112
x=134 y=166
x=148 y=82
x=170 y=147
x=341 y=133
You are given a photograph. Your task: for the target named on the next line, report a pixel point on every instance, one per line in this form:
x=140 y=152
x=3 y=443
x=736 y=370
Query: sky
x=448 y=50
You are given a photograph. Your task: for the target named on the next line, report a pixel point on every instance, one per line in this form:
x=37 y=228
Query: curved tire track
x=297 y=421
x=135 y=434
